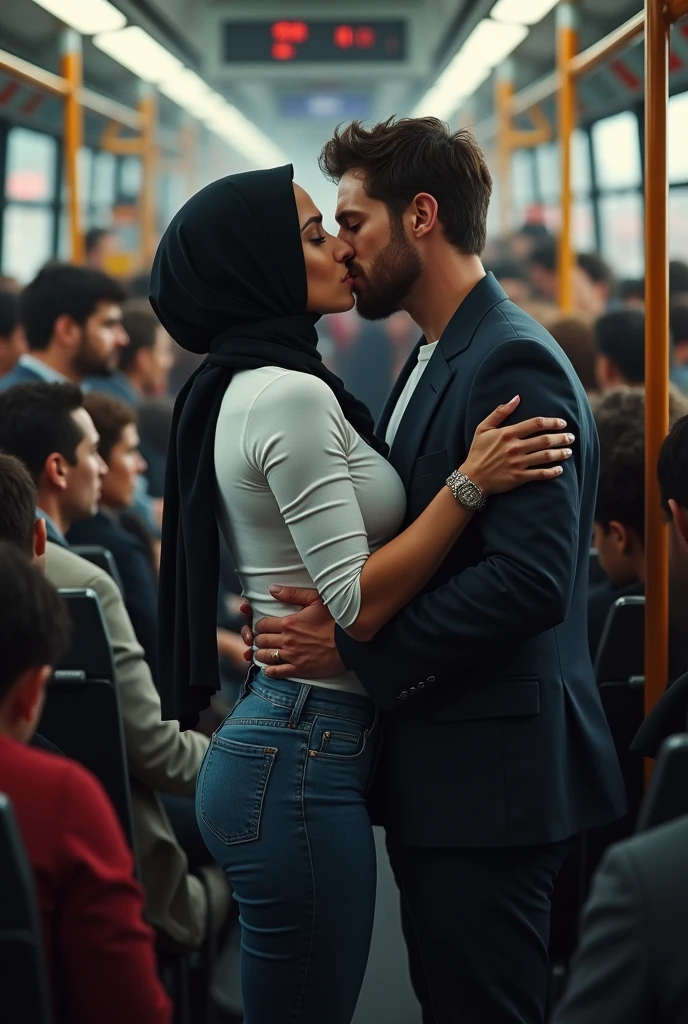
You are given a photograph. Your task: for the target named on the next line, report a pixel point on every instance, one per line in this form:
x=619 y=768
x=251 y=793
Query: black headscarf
x=229 y=280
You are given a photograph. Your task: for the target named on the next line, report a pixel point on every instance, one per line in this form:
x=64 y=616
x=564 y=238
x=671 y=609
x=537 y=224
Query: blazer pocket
x=435 y=462
x=503 y=698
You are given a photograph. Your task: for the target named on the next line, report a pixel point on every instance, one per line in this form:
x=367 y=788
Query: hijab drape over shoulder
x=228 y=280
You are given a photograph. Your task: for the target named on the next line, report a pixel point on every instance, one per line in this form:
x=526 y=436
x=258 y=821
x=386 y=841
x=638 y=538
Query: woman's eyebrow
x=317 y=219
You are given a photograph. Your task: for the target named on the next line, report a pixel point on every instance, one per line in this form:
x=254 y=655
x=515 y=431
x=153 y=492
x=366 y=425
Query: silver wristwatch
x=468 y=494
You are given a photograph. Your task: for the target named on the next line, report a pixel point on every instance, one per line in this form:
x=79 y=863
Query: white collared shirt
x=424 y=356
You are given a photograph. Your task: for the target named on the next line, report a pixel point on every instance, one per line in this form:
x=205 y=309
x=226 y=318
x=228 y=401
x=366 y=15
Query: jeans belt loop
x=295 y=717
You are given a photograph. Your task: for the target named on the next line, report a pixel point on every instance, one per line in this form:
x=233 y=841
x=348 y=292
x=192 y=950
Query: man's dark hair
x=94 y=236
x=34 y=622
x=62 y=289
x=400 y=158
x=621 y=489
x=672 y=466
x=678 y=277
x=620 y=336
x=110 y=416
x=508 y=270
x=141 y=324
x=9 y=313
x=36 y=420
x=17 y=504
x=632 y=288
x=544 y=254
x=678 y=322
x=577 y=339
x=597 y=269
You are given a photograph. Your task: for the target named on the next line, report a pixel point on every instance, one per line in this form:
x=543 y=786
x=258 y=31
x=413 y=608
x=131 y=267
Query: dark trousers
x=476 y=925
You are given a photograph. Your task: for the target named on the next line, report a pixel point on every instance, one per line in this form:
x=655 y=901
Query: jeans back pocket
x=233 y=784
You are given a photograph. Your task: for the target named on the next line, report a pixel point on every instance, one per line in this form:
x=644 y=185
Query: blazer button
x=430 y=679
x=421 y=685
x=403 y=695
x=412 y=689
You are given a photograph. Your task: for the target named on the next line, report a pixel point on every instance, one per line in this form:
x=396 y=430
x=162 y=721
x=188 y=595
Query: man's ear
x=680 y=516
x=423 y=214
x=29 y=693
x=66 y=332
x=54 y=471
x=40 y=537
x=620 y=536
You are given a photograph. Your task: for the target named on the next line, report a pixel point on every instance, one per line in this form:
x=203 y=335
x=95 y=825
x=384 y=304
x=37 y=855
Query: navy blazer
x=498 y=736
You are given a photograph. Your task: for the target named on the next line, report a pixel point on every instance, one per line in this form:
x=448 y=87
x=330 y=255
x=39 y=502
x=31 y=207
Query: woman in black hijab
x=268 y=443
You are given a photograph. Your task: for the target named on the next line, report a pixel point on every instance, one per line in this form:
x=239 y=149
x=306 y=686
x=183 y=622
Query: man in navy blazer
x=495 y=750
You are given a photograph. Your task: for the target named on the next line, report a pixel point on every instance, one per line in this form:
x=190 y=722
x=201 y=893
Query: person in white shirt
x=268 y=444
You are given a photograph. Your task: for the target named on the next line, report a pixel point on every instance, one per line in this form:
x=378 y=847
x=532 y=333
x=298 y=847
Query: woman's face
x=125 y=464
x=329 y=283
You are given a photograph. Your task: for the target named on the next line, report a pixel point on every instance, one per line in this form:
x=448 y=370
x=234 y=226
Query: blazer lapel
x=418 y=412
x=397 y=388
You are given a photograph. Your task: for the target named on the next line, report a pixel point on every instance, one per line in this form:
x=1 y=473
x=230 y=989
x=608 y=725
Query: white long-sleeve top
x=303 y=500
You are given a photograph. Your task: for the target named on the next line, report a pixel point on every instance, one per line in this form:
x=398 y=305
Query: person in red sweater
x=99 y=953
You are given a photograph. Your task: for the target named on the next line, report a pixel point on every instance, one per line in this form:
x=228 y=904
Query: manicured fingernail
x=567 y=453
x=512 y=400
x=570 y=437
x=560 y=470
x=275 y=590
x=561 y=423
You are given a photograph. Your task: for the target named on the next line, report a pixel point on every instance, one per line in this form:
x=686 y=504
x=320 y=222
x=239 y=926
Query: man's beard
x=90 y=363
x=393 y=273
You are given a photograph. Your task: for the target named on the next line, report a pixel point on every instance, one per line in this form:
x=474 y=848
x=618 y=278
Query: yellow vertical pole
x=149 y=159
x=567 y=45
x=71 y=71
x=504 y=91
x=656 y=346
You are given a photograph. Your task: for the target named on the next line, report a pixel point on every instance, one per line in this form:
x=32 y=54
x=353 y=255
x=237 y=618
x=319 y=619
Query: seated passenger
x=620 y=512
x=12 y=338
x=670 y=714
x=631 y=966
x=99 y=953
x=619 y=531
x=73 y=325
x=46 y=427
x=145 y=364
x=116 y=426
x=620 y=344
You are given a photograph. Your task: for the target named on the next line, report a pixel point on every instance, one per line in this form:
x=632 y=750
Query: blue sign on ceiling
x=330 y=106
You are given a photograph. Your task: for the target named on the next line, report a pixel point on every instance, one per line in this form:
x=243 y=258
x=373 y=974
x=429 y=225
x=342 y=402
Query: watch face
x=468 y=493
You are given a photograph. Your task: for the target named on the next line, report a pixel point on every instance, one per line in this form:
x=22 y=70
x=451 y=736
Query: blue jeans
x=281 y=806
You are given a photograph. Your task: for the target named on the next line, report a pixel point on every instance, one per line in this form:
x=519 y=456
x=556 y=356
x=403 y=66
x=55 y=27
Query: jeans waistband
x=313 y=699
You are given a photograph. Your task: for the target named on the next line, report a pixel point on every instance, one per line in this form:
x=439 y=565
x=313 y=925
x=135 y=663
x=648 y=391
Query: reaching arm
x=523 y=585
x=306 y=467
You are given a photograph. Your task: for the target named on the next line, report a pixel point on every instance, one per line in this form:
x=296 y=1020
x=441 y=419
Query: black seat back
x=666 y=797
x=621 y=654
x=24 y=995
x=82 y=712
x=101 y=557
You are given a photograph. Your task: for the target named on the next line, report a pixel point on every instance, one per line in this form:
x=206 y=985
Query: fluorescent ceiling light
x=191 y=93
x=487 y=46
x=86 y=16
x=522 y=12
x=140 y=53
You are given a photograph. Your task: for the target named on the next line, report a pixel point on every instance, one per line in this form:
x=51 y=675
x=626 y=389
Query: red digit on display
x=365 y=37
x=290 y=31
x=283 y=51
x=344 y=37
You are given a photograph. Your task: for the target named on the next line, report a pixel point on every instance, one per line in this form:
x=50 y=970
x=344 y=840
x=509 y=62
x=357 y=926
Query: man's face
x=156 y=363
x=678 y=557
x=84 y=481
x=385 y=265
x=102 y=339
